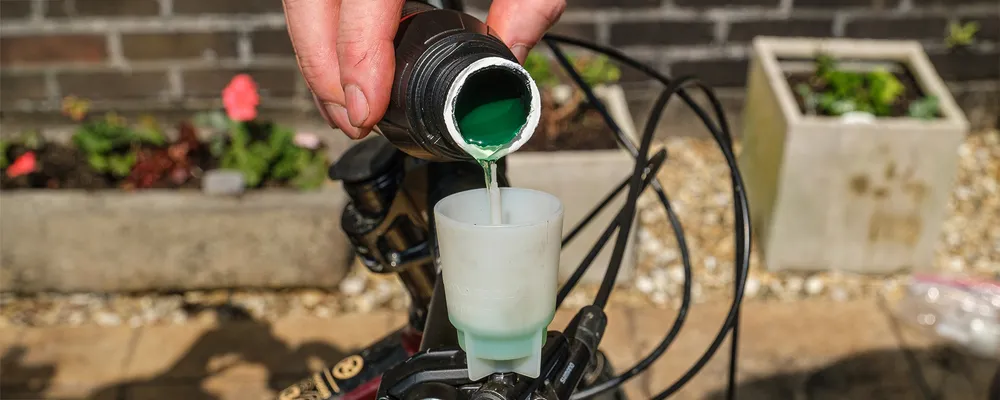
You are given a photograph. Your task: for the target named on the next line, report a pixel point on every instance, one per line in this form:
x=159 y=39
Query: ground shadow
x=21 y=381
x=939 y=373
x=239 y=340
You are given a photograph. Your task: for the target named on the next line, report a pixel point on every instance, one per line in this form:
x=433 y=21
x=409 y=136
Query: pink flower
x=241 y=99
x=23 y=165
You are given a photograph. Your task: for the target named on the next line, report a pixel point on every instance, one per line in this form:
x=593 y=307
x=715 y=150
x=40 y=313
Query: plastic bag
x=963 y=310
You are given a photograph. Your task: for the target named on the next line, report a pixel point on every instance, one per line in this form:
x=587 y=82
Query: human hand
x=345 y=52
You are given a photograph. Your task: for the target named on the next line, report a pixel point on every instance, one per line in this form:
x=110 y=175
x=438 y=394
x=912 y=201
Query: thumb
x=366 y=57
x=521 y=24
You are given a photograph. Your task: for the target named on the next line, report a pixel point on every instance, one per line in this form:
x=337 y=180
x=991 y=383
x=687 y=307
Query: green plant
x=540 y=70
x=110 y=144
x=4 y=145
x=277 y=157
x=925 y=108
x=595 y=70
x=961 y=34
x=834 y=91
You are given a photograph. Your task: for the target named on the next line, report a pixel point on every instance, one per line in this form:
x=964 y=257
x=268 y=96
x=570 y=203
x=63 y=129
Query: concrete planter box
x=828 y=194
x=581 y=179
x=110 y=241
x=158 y=240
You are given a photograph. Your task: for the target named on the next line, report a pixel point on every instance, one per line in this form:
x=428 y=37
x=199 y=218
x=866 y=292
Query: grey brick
x=101 y=8
x=161 y=46
x=15 y=9
x=184 y=7
x=745 y=31
x=578 y=31
x=667 y=32
x=951 y=3
x=39 y=49
x=967 y=65
x=270 y=82
x=897 y=28
x=989 y=28
x=716 y=73
x=831 y=3
x=726 y=3
x=113 y=84
x=17 y=87
x=272 y=42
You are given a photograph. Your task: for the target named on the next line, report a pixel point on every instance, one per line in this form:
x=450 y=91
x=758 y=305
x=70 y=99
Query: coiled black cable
x=742 y=237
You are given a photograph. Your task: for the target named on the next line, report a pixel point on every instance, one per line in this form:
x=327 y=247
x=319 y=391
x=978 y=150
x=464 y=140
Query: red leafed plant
x=173 y=162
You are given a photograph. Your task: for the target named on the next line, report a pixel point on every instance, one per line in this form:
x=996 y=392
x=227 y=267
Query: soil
x=912 y=90
x=581 y=129
x=58 y=167
x=63 y=167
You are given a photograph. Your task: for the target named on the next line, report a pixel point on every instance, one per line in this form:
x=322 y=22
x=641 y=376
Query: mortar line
x=133 y=344
x=166 y=7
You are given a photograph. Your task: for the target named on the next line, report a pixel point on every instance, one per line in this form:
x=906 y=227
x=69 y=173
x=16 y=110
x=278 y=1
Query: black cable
x=724 y=139
x=675 y=329
x=652 y=167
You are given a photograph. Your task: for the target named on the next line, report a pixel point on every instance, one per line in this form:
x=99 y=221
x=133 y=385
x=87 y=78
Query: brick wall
x=178 y=54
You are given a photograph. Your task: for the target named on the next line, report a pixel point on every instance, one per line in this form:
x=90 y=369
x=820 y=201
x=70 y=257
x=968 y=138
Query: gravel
x=696 y=179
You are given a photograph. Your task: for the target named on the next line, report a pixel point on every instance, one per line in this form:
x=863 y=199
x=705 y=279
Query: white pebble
x=752 y=288
x=75 y=318
x=352 y=285
x=311 y=298
x=659 y=298
x=105 y=318
x=649 y=217
x=956 y=264
x=794 y=284
x=676 y=273
x=839 y=294
x=178 y=317
x=814 y=285
x=668 y=255
x=365 y=303
x=711 y=263
x=644 y=284
x=660 y=279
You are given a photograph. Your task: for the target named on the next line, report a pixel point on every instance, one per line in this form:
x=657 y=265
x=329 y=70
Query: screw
x=395 y=259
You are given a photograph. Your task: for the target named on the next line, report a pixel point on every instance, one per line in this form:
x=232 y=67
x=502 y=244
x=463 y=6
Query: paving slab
x=65 y=362
x=821 y=349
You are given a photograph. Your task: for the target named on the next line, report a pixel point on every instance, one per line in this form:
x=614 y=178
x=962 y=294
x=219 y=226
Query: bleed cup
x=500 y=280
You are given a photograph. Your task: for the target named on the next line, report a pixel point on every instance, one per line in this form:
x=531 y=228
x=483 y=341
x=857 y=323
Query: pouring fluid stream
x=490 y=127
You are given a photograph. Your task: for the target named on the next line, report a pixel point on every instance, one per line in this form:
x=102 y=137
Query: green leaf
x=885 y=87
x=809 y=98
x=98 y=162
x=961 y=34
x=925 y=108
x=538 y=66
x=4 y=145
x=121 y=165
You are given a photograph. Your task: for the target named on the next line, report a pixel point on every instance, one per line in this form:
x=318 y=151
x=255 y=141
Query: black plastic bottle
x=448 y=62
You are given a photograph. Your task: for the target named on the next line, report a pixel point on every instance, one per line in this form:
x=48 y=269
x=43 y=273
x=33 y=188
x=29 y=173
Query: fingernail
x=520 y=52
x=338 y=114
x=357 y=105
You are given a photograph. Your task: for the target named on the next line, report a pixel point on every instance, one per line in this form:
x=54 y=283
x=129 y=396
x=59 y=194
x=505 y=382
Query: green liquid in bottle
x=493 y=124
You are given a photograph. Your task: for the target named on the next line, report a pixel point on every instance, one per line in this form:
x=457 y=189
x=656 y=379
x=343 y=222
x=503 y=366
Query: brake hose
x=742 y=235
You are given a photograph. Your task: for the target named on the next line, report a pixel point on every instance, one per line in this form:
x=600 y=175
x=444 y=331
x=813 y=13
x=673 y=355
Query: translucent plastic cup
x=500 y=280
